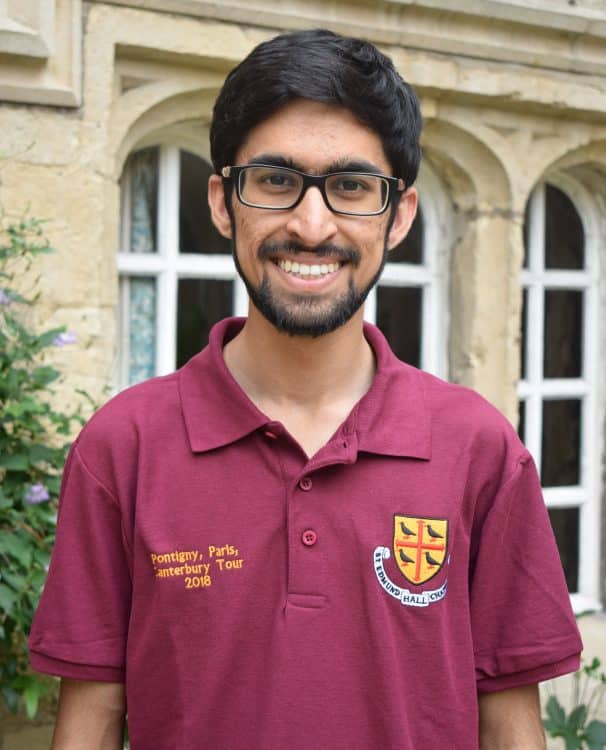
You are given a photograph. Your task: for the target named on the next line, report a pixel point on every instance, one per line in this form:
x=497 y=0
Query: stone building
x=104 y=116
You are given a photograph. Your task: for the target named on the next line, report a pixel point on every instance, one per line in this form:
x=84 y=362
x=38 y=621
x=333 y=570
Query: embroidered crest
x=419 y=546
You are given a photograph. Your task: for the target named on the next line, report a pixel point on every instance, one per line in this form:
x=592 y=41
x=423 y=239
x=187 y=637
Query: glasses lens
x=357 y=193
x=270 y=187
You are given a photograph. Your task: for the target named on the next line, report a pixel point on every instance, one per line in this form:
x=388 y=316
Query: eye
x=350 y=186
x=274 y=179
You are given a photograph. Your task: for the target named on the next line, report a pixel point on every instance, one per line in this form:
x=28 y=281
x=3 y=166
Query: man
x=298 y=541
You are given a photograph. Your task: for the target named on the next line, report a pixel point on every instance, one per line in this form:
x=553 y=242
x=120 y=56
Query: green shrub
x=579 y=729
x=34 y=439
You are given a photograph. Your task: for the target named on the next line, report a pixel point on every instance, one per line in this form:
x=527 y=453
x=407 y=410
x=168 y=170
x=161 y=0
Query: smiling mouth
x=308 y=269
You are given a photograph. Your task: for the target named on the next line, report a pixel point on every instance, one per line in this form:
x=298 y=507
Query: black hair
x=323 y=67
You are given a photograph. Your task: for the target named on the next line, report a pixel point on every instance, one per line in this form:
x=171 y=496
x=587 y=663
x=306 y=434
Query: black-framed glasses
x=281 y=188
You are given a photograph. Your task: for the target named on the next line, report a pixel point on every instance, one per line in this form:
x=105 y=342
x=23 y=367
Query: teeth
x=308 y=270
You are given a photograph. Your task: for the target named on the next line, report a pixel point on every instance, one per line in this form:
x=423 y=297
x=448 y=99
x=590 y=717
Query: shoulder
x=141 y=405
x=463 y=421
x=461 y=406
x=113 y=437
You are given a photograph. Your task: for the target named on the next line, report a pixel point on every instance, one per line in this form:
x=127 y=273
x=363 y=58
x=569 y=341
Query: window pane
x=197 y=233
x=565 y=523
x=399 y=317
x=143 y=169
x=410 y=250
x=564 y=235
x=522 y=420
x=141 y=329
x=561 y=449
x=201 y=304
x=563 y=333
x=523 y=335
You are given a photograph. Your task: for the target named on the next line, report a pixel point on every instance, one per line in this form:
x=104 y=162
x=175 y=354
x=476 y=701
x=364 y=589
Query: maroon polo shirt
x=254 y=598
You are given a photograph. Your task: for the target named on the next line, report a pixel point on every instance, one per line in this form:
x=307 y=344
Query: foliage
x=34 y=439
x=579 y=729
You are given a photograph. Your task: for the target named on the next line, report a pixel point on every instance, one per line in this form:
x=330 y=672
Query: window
x=409 y=304
x=177 y=277
x=557 y=390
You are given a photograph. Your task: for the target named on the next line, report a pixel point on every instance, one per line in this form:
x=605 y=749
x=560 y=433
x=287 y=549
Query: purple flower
x=63 y=339
x=37 y=493
x=4 y=298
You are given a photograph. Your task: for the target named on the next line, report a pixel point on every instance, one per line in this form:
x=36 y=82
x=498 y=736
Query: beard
x=308 y=315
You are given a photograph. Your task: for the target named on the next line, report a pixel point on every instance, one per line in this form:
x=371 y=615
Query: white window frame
x=534 y=389
x=167 y=265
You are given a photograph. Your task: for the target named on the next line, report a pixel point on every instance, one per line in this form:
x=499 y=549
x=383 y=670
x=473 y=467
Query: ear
x=405 y=214
x=218 y=209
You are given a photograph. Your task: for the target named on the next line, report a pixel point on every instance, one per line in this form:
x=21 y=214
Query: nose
x=312 y=222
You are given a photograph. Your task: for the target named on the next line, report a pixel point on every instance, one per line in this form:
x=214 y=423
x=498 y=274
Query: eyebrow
x=339 y=165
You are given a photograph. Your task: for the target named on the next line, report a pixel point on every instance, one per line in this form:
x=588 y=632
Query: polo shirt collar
x=391 y=419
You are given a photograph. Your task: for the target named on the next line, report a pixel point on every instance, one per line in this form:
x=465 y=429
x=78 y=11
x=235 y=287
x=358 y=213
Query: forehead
x=314 y=135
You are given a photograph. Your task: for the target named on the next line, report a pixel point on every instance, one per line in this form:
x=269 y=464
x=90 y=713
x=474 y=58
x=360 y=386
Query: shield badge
x=419 y=546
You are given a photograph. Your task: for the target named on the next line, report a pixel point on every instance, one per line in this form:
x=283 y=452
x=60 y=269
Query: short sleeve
x=79 y=629
x=523 y=627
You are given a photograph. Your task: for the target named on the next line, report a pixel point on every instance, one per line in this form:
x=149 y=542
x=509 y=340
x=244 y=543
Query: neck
x=275 y=369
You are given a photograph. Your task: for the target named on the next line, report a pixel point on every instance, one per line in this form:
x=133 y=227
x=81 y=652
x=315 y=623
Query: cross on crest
x=419 y=546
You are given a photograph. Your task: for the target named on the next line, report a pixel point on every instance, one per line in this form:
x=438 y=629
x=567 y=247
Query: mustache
x=346 y=254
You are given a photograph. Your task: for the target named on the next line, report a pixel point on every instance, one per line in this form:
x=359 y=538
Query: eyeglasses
x=281 y=188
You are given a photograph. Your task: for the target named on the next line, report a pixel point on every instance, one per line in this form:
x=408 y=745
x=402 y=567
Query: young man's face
x=276 y=250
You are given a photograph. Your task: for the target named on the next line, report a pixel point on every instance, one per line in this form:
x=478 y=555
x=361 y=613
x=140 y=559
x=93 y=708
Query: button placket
x=307 y=557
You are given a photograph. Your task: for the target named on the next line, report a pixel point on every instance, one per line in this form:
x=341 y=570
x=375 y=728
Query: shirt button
x=270 y=434
x=309 y=538
x=305 y=484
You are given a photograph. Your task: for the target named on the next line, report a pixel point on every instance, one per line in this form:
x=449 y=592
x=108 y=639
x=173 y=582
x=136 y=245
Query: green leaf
x=11 y=698
x=595 y=733
x=573 y=742
x=15 y=580
x=16 y=462
x=41 y=453
x=31 y=696
x=53 y=484
x=44 y=375
x=18 y=547
x=5 y=503
x=578 y=717
x=555 y=712
x=38 y=577
x=47 y=338
x=7 y=599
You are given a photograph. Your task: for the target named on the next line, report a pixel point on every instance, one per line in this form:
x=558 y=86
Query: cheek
x=368 y=234
x=253 y=230
x=245 y=235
